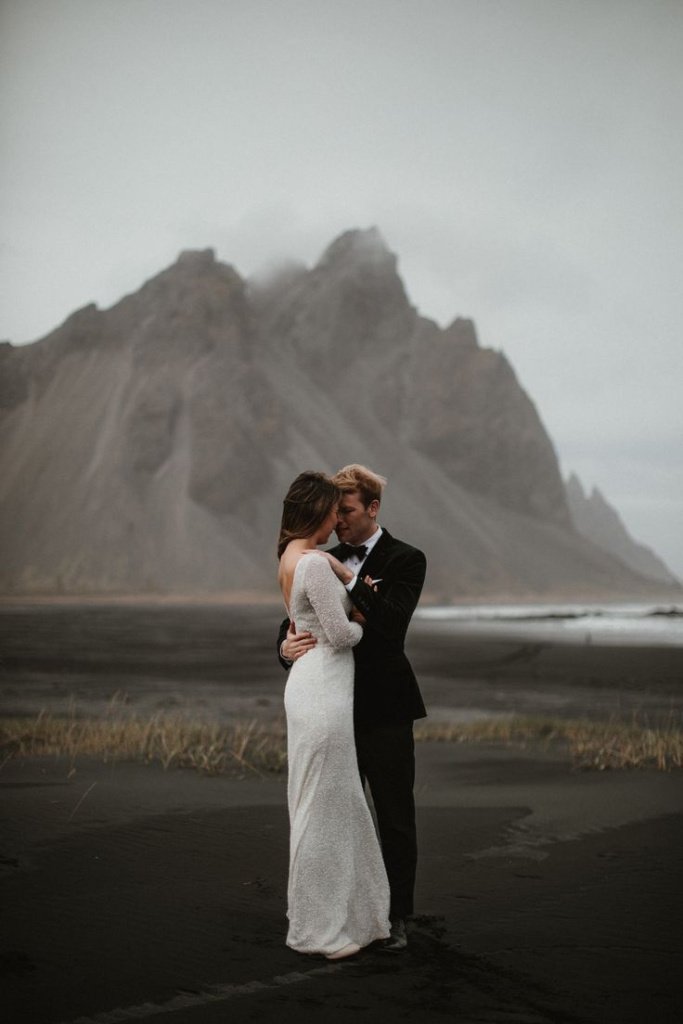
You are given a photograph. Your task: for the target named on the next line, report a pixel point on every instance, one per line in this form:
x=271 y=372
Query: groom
x=384 y=581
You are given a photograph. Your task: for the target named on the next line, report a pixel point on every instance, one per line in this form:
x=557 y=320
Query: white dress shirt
x=355 y=564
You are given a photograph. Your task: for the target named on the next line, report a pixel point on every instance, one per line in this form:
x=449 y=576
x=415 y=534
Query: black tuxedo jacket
x=385 y=687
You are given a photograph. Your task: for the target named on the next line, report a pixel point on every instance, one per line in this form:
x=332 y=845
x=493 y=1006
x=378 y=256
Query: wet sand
x=544 y=895
x=132 y=893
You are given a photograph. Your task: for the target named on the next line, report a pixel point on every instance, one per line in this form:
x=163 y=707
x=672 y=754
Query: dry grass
x=597 y=745
x=251 y=747
x=236 y=749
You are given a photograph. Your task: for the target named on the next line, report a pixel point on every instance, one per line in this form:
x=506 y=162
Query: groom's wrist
x=283 y=655
x=351 y=582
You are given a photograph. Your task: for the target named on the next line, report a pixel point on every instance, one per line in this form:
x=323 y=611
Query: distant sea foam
x=574 y=623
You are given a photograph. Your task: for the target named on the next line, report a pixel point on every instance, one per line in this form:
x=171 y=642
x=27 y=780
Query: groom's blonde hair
x=359 y=478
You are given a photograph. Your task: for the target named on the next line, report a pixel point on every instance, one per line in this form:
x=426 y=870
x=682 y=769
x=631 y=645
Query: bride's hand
x=339 y=570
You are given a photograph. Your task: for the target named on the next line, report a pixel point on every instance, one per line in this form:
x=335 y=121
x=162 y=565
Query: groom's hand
x=296 y=644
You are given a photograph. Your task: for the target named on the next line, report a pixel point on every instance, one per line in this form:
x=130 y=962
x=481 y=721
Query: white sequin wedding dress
x=338 y=891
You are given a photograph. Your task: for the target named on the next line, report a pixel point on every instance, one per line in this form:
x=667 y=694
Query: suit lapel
x=378 y=555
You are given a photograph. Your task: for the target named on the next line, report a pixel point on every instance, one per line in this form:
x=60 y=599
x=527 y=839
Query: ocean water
x=604 y=624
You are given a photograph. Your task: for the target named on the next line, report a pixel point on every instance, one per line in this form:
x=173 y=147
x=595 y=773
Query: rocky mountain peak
x=575 y=487
x=80 y=331
x=463 y=333
x=599 y=522
x=197 y=297
x=146 y=447
x=359 y=249
x=197 y=259
x=194 y=269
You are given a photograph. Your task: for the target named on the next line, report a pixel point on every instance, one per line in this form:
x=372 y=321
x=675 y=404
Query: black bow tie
x=347 y=551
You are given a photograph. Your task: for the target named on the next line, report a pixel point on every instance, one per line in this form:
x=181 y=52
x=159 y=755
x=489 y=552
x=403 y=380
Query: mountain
x=147 y=447
x=599 y=522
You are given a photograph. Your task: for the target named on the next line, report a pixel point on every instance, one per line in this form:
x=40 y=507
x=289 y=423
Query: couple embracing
x=351 y=698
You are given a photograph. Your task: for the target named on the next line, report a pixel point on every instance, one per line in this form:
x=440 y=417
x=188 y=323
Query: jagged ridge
x=147 y=447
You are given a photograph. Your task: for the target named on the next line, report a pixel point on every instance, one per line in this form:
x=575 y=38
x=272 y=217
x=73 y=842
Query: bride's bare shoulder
x=288 y=564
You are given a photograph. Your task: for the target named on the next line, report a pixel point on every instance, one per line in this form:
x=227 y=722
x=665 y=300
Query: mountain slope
x=600 y=523
x=146 y=448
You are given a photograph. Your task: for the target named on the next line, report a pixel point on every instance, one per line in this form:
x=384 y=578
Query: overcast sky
x=524 y=159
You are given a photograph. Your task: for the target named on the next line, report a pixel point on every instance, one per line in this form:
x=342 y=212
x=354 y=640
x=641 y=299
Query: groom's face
x=356 y=522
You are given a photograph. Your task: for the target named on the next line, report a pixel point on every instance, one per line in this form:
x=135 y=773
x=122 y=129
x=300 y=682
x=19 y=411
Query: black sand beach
x=128 y=892
x=543 y=895
x=218 y=660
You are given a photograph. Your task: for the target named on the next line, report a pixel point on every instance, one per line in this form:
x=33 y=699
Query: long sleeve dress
x=338 y=891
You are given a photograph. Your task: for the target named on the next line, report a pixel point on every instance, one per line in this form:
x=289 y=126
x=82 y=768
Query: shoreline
x=220 y=662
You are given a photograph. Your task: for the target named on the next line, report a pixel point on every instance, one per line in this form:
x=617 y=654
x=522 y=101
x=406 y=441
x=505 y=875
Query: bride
x=338 y=893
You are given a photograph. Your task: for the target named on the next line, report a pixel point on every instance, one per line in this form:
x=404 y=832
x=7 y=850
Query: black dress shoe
x=398 y=940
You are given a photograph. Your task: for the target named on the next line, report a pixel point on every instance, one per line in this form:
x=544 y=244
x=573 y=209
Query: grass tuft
x=258 y=748
x=240 y=748
x=597 y=745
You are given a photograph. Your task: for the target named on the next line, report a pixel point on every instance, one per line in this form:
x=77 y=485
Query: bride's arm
x=324 y=594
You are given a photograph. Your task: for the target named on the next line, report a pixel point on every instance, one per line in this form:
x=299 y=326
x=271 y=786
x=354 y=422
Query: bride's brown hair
x=306 y=506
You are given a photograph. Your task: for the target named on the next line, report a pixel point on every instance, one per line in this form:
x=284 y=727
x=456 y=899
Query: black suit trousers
x=386 y=760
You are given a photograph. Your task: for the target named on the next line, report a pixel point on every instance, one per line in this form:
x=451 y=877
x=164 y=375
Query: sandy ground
x=544 y=895
x=220 y=662
x=130 y=893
